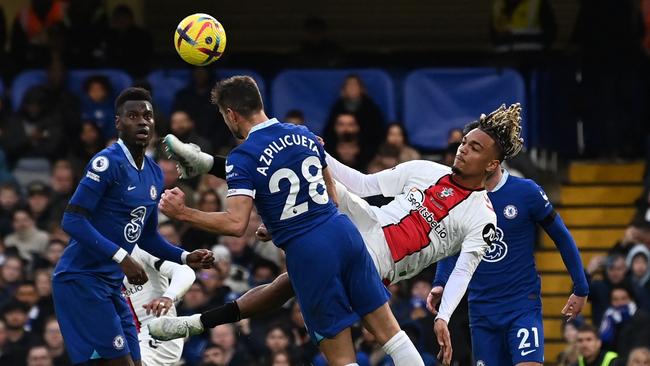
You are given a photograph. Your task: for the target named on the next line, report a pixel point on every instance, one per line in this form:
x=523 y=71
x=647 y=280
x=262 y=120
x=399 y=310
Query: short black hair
x=295 y=113
x=98 y=79
x=588 y=328
x=624 y=287
x=132 y=93
x=239 y=93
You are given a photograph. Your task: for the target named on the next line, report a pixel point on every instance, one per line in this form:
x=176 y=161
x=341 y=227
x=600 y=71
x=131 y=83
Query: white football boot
x=170 y=327
x=191 y=160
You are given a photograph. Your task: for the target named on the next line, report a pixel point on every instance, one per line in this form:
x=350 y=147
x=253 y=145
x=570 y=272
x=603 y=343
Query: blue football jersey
x=128 y=198
x=506 y=279
x=281 y=166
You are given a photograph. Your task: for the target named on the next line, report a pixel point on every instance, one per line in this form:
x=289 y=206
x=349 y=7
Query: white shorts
x=157 y=353
x=364 y=218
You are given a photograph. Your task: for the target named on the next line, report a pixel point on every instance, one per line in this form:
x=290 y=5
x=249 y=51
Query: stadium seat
x=23 y=82
x=165 y=83
x=314 y=92
x=28 y=79
x=31 y=169
x=438 y=100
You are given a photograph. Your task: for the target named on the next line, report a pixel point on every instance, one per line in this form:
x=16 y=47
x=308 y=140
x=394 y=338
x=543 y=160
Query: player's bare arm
x=233 y=221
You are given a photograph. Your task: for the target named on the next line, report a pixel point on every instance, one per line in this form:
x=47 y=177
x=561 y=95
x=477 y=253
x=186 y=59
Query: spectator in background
x=30 y=32
x=34 y=131
x=183 y=127
x=600 y=290
x=522 y=25
x=169 y=232
x=171 y=180
x=38 y=200
x=264 y=271
x=624 y=325
x=90 y=143
x=87 y=26
x=234 y=353
x=52 y=254
x=19 y=339
x=234 y=276
x=420 y=289
x=26 y=238
x=354 y=100
x=569 y=355
x=213 y=355
x=37 y=313
x=387 y=157
x=195 y=300
x=316 y=47
x=214 y=283
x=125 y=39
x=9 y=200
x=591 y=351
x=39 y=355
x=59 y=99
x=637 y=261
x=5 y=173
x=11 y=275
x=294 y=116
x=639 y=357
x=43 y=281
x=195 y=100
x=308 y=349
x=5 y=357
x=450 y=154
x=97 y=105
x=346 y=145
x=54 y=342
x=282 y=358
x=63 y=185
x=397 y=137
x=455 y=136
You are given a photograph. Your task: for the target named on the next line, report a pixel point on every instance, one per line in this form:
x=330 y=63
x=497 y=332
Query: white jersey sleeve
x=457 y=284
x=420 y=173
x=182 y=278
x=481 y=227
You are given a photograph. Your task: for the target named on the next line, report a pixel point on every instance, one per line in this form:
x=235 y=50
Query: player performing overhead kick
x=438 y=212
x=113 y=209
x=282 y=168
x=505 y=293
x=168 y=283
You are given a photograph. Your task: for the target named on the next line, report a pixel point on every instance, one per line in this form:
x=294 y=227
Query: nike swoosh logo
x=130 y=188
x=229 y=168
x=524 y=353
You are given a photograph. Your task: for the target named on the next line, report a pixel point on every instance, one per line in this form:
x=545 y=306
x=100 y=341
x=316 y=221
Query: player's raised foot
x=191 y=160
x=167 y=327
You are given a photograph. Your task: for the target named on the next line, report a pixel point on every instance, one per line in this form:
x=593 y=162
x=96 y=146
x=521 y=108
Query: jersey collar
x=262 y=125
x=504 y=178
x=129 y=157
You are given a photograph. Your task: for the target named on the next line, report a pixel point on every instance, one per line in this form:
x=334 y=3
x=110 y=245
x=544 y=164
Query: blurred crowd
x=46 y=143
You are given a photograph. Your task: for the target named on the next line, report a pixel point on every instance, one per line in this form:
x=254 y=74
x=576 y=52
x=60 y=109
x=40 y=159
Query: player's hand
x=159 y=306
x=444 y=341
x=434 y=298
x=320 y=140
x=133 y=271
x=200 y=258
x=262 y=233
x=574 y=306
x=172 y=203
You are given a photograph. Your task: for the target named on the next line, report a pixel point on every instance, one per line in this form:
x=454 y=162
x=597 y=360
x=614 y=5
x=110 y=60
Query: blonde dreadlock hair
x=504 y=126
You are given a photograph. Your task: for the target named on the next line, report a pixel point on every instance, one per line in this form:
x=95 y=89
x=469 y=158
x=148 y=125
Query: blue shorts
x=95 y=320
x=335 y=281
x=508 y=338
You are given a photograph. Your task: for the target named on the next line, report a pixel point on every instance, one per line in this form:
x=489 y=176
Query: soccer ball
x=200 y=39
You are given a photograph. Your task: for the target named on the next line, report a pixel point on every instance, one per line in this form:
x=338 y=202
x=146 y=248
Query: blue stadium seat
x=315 y=91
x=23 y=82
x=28 y=79
x=437 y=100
x=165 y=83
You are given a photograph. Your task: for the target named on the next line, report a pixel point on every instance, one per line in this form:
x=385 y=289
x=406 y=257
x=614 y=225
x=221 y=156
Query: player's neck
x=255 y=120
x=137 y=152
x=493 y=179
x=477 y=182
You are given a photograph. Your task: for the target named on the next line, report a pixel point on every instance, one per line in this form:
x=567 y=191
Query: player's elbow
x=238 y=229
x=69 y=223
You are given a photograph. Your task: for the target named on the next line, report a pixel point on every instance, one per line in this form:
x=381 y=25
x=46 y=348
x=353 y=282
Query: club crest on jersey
x=99 y=164
x=153 y=192
x=510 y=212
x=480 y=363
x=445 y=193
x=118 y=342
x=497 y=249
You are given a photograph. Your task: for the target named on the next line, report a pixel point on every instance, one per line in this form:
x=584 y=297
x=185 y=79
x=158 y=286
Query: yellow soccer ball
x=200 y=39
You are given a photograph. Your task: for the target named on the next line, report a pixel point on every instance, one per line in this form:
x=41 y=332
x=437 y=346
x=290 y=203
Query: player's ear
x=118 y=124
x=493 y=166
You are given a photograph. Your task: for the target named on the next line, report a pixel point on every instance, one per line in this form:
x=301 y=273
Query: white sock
x=402 y=350
x=352 y=364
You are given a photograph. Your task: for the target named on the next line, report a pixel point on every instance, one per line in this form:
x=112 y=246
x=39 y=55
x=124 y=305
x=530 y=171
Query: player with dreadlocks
x=504 y=296
x=437 y=212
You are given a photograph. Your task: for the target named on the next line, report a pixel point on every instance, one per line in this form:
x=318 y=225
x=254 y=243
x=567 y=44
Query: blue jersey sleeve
x=98 y=177
x=239 y=175
x=152 y=242
x=538 y=203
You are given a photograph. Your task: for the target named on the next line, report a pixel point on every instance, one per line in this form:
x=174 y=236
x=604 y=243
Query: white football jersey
x=431 y=217
x=159 y=273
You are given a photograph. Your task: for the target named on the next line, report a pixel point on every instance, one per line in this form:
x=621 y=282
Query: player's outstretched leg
x=191 y=160
x=383 y=325
x=256 y=301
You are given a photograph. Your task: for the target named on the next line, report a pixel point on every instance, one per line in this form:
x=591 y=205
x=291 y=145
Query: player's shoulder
x=426 y=167
x=107 y=159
